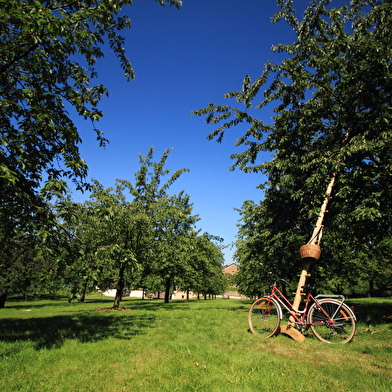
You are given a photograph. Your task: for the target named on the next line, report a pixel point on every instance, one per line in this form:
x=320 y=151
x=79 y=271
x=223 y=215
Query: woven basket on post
x=310 y=252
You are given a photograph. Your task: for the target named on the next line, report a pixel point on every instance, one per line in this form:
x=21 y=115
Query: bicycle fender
x=277 y=305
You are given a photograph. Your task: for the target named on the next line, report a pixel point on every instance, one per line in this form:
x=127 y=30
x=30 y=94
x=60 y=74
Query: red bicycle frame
x=300 y=315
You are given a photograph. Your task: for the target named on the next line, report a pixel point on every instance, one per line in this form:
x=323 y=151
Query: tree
x=31 y=260
x=209 y=278
x=47 y=57
x=331 y=98
x=173 y=245
x=135 y=219
x=122 y=236
x=203 y=259
x=79 y=265
x=170 y=215
x=172 y=218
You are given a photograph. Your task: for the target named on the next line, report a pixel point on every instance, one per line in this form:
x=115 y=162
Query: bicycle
x=330 y=320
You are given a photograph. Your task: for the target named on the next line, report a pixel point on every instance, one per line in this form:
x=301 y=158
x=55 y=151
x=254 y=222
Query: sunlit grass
x=182 y=346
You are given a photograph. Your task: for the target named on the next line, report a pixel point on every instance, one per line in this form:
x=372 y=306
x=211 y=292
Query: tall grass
x=182 y=346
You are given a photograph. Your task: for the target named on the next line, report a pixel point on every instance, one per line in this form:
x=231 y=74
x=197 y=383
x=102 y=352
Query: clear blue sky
x=184 y=59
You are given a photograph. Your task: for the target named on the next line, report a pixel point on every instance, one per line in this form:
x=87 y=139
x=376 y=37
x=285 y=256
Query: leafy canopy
x=332 y=97
x=47 y=57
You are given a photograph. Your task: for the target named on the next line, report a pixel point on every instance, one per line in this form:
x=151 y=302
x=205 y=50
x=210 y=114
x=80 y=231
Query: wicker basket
x=310 y=251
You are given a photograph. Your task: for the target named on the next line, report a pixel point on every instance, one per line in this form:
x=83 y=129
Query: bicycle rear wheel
x=341 y=327
x=264 y=317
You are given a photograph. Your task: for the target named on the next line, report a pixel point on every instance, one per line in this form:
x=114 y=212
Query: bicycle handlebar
x=275 y=278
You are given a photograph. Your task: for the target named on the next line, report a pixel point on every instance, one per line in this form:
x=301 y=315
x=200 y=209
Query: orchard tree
x=30 y=256
x=136 y=219
x=209 y=277
x=79 y=265
x=17 y=256
x=188 y=262
x=47 y=56
x=332 y=101
x=204 y=260
x=122 y=236
x=169 y=215
x=174 y=245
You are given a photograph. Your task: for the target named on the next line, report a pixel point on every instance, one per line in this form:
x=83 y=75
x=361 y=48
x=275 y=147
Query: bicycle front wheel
x=341 y=326
x=264 y=317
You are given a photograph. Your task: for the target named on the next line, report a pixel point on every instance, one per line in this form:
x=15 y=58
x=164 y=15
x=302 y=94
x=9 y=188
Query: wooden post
x=315 y=239
x=317 y=232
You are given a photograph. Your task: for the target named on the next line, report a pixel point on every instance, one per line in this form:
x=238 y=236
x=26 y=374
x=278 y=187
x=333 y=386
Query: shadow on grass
x=372 y=313
x=40 y=303
x=192 y=305
x=155 y=304
x=52 y=332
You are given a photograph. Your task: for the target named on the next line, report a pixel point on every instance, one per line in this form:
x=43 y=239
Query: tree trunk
x=167 y=290
x=83 y=292
x=3 y=298
x=120 y=287
x=371 y=287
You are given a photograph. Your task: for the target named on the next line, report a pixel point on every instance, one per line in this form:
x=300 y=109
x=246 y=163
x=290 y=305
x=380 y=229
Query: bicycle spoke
x=264 y=317
x=332 y=322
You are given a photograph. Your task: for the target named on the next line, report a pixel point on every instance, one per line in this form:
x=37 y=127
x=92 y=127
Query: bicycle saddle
x=308 y=289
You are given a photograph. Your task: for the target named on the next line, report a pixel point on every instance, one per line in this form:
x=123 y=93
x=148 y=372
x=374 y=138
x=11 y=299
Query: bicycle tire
x=264 y=317
x=343 y=326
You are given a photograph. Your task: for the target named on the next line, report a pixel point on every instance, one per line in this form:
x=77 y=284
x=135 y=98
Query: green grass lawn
x=182 y=346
